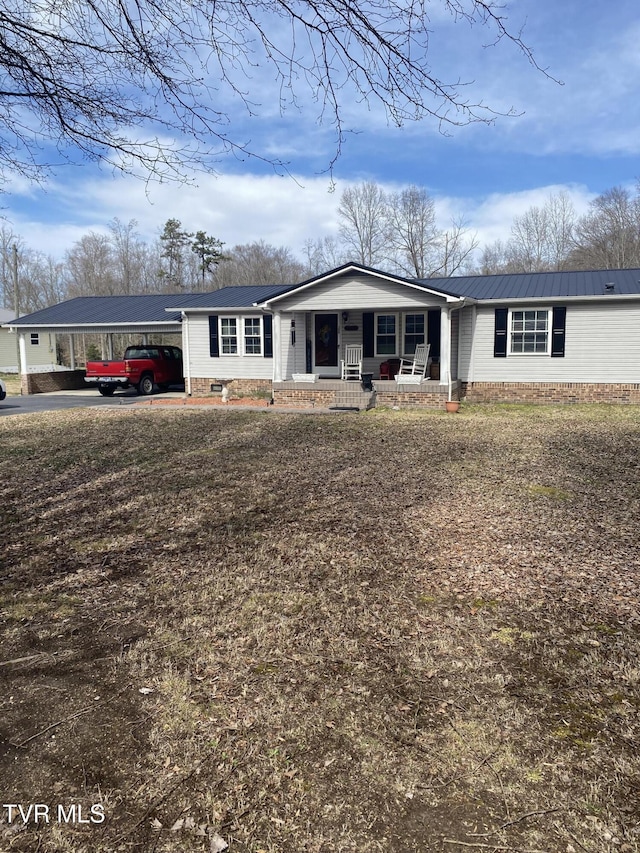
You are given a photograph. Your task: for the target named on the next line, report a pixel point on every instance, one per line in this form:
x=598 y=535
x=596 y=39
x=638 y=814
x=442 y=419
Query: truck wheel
x=106 y=390
x=145 y=386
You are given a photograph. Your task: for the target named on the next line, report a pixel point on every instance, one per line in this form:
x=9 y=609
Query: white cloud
x=233 y=208
x=243 y=208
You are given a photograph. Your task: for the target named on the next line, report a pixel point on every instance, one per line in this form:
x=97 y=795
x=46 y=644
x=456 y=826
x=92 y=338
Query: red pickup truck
x=142 y=367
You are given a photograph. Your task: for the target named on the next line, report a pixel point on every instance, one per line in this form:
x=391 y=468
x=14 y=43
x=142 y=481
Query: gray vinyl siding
x=203 y=366
x=364 y=292
x=8 y=350
x=465 y=342
x=42 y=354
x=602 y=344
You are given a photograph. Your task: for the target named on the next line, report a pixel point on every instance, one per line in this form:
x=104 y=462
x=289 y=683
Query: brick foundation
x=304 y=397
x=56 y=380
x=411 y=399
x=327 y=393
x=551 y=392
x=202 y=387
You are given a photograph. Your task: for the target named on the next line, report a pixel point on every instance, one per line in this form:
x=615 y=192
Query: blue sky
x=582 y=137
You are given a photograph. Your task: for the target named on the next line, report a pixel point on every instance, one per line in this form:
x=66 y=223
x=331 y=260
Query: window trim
x=240 y=335
x=425 y=328
x=36 y=336
x=260 y=336
x=398 y=329
x=228 y=337
x=510 y=331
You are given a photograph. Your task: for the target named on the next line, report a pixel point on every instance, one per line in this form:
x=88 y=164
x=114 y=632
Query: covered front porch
x=385 y=318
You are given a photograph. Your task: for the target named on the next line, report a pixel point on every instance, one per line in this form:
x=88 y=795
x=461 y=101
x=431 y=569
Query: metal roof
x=232 y=297
x=144 y=310
x=108 y=310
x=542 y=285
x=165 y=308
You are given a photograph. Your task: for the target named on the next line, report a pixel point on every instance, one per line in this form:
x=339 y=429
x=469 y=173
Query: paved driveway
x=71 y=400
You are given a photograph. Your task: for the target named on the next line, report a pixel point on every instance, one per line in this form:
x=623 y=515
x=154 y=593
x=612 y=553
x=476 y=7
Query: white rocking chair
x=414 y=371
x=352 y=362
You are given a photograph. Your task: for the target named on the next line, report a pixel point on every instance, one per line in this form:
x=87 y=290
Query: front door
x=325 y=345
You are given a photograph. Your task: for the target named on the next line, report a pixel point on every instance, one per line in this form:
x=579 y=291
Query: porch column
x=22 y=353
x=186 y=354
x=72 y=352
x=110 y=346
x=277 y=346
x=445 y=345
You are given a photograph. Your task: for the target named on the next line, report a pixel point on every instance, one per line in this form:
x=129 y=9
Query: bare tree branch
x=154 y=85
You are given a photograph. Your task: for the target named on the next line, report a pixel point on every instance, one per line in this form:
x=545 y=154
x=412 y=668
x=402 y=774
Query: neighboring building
x=540 y=337
x=40 y=347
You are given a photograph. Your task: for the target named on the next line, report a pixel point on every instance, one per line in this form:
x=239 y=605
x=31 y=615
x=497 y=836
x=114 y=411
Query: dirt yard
x=320 y=633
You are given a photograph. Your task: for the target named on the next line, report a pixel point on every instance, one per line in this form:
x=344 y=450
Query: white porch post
x=22 y=353
x=445 y=347
x=186 y=354
x=72 y=352
x=110 y=346
x=277 y=346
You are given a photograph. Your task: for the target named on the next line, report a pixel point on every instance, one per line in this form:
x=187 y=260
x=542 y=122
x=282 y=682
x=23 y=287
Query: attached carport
x=142 y=316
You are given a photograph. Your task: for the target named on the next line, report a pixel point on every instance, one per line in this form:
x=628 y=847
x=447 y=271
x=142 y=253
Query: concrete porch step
x=355 y=399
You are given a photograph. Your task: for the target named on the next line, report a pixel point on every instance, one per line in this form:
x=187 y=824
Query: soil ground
x=372 y=632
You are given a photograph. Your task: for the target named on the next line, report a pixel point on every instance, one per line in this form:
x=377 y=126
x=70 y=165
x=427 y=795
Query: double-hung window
x=35 y=339
x=386 y=334
x=229 y=335
x=241 y=336
x=414 y=330
x=252 y=336
x=529 y=332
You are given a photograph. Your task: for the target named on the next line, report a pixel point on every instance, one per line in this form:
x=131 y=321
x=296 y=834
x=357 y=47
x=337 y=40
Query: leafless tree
x=411 y=235
x=117 y=79
x=542 y=238
x=258 y=263
x=130 y=255
x=89 y=266
x=8 y=240
x=608 y=236
x=363 y=214
x=455 y=248
x=41 y=281
x=323 y=254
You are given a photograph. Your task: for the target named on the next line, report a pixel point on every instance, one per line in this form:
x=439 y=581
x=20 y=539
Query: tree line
x=396 y=232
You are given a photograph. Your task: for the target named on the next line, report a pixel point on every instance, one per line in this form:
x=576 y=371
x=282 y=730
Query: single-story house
x=536 y=337
x=40 y=348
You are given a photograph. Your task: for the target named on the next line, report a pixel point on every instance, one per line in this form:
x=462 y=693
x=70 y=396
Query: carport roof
x=147 y=310
x=109 y=311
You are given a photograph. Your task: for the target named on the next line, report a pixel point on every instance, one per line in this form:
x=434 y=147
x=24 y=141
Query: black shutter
x=500 y=335
x=214 y=346
x=368 y=342
x=433 y=332
x=267 y=326
x=558 y=332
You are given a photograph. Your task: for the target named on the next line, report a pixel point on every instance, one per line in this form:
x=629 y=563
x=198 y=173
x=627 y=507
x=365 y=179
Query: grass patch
x=12 y=383
x=315 y=633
